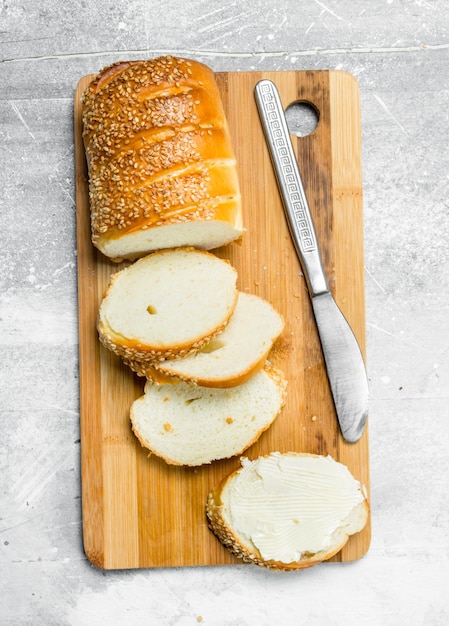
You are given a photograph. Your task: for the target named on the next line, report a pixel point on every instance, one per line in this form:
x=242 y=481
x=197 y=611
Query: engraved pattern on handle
x=285 y=162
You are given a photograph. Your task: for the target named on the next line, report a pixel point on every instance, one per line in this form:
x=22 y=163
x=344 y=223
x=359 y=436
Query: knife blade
x=342 y=355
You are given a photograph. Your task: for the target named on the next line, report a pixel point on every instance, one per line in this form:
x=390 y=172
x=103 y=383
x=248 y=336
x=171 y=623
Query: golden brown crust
x=151 y=371
x=158 y=148
x=139 y=355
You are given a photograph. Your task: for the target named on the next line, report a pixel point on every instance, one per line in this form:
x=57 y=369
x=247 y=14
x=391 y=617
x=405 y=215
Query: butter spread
x=288 y=505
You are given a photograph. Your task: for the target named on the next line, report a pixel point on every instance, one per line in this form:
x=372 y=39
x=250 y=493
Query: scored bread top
x=159 y=154
x=167 y=304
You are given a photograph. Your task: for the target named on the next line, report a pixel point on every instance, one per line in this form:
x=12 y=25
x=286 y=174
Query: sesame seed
x=143 y=129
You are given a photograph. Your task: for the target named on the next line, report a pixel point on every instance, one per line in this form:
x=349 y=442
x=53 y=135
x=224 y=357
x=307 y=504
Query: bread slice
x=287 y=511
x=162 y=170
x=190 y=425
x=233 y=355
x=167 y=304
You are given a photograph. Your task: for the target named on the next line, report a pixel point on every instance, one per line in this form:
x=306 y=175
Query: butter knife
x=344 y=361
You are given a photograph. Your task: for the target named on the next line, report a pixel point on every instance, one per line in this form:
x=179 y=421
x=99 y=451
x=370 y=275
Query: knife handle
x=290 y=185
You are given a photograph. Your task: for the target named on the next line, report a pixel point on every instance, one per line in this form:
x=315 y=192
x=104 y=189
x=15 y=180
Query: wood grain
x=139 y=512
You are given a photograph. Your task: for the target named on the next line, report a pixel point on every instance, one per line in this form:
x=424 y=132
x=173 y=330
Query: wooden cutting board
x=139 y=512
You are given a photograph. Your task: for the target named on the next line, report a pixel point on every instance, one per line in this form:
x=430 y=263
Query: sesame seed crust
x=218 y=525
x=137 y=356
x=158 y=148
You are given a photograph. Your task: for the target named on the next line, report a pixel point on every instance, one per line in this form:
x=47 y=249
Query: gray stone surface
x=399 y=53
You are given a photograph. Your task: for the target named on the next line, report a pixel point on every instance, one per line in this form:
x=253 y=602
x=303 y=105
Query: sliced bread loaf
x=233 y=355
x=191 y=425
x=287 y=511
x=162 y=170
x=167 y=304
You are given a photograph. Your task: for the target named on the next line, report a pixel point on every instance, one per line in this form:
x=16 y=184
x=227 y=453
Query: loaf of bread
x=287 y=511
x=191 y=425
x=162 y=170
x=167 y=304
x=232 y=356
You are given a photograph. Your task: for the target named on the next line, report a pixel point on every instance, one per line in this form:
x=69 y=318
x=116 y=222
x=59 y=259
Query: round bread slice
x=233 y=355
x=191 y=425
x=167 y=304
x=287 y=511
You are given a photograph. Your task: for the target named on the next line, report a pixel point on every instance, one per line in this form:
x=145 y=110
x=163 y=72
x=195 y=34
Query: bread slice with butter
x=287 y=511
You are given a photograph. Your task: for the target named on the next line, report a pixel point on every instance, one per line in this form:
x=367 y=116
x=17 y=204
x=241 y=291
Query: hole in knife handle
x=302 y=118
